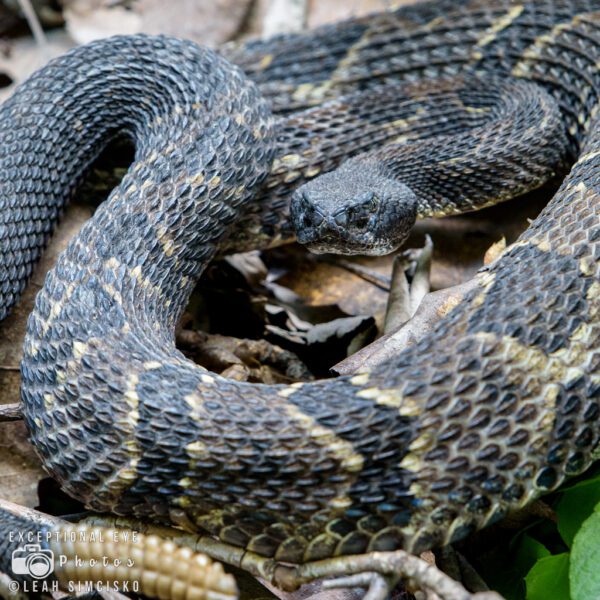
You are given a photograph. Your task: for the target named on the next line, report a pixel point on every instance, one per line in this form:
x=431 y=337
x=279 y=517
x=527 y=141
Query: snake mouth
x=330 y=239
x=321 y=248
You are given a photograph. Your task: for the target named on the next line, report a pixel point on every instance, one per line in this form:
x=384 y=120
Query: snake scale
x=499 y=404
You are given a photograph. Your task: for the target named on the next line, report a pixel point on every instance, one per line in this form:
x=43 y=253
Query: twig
x=42 y=519
x=10 y=412
x=410 y=284
x=383 y=282
x=420 y=574
x=34 y=24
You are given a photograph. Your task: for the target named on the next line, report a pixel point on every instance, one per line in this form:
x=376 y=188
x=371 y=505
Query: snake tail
x=80 y=558
x=130 y=561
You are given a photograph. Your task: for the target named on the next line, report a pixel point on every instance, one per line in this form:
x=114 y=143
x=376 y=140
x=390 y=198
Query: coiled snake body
x=498 y=405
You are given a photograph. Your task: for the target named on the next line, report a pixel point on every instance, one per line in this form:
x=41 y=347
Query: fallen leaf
x=25 y=56
x=207 y=23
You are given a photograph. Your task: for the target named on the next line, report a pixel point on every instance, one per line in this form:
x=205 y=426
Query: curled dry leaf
x=410 y=283
x=434 y=307
x=242 y=359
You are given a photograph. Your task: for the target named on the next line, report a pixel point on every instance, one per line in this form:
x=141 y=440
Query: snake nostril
x=361 y=222
x=311 y=215
x=307 y=203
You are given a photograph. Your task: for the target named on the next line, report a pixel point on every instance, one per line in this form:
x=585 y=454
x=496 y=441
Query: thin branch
x=34 y=24
x=420 y=574
x=42 y=519
x=10 y=412
x=383 y=282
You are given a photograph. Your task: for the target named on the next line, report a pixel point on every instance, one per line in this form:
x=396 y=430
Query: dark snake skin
x=495 y=407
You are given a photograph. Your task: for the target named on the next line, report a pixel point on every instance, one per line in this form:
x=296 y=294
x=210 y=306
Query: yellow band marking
x=123 y=477
x=55 y=310
x=151 y=365
x=291 y=389
x=500 y=24
x=361 y=379
x=588 y=156
x=196 y=180
x=197 y=450
x=165 y=239
x=342 y=450
x=265 y=61
x=79 y=349
x=112 y=263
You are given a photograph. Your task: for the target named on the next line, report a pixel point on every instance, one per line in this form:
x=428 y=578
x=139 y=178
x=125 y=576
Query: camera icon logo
x=33 y=560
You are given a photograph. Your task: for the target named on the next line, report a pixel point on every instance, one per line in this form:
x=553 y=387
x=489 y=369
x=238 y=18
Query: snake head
x=353 y=210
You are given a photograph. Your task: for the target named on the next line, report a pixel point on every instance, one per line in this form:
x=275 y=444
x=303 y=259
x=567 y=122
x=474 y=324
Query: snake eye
x=369 y=202
x=358 y=217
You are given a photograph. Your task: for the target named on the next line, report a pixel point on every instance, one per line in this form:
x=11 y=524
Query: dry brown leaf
x=206 y=22
x=328 y=282
x=329 y=11
x=25 y=56
x=89 y=20
x=284 y=16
